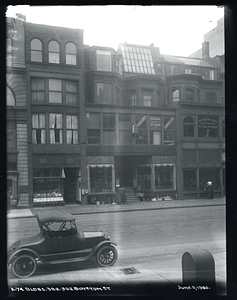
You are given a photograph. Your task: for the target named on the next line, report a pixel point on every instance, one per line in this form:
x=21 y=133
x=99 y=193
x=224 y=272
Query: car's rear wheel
x=106 y=256
x=24 y=266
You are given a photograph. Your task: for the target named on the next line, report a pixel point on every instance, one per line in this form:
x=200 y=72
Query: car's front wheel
x=24 y=266
x=106 y=256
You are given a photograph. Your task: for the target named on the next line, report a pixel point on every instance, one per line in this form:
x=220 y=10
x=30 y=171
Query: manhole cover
x=129 y=271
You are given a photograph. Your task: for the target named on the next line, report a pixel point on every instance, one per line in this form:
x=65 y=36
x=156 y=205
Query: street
x=152 y=242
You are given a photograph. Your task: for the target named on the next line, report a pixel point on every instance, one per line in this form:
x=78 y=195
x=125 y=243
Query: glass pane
x=36 y=56
x=104 y=60
x=53 y=46
x=71 y=59
x=36 y=44
x=70 y=48
x=54 y=58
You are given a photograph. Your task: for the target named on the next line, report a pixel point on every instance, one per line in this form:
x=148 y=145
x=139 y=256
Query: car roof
x=54 y=216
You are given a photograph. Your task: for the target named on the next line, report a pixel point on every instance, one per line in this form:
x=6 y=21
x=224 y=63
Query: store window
x=164 y=177
x=104 y=93
x=208 y=126
x=169 y=133
x=147 y=98
x=72 y=129
x=188 y=126
x=103 y=59
x=48 y=185
x=36 y=50
x=212 y=175
x=55 y=91
x=38 y=90
x=100 y=178
x=175 y=95
x=54 y=52
x=71 y=92
x=189 y=95
x=71 y=51
x=38 y=129
x=55 y=124
x=109 y=132
x=144 y=177
x=189 y=180
x=211 y=98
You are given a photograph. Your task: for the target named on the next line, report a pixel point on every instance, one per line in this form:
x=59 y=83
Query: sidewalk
x=77 y=209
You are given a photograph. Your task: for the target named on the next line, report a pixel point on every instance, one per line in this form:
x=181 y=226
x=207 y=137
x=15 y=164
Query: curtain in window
x=55 y=133
x=53 y=52
x=71 y=92
x=38 y=90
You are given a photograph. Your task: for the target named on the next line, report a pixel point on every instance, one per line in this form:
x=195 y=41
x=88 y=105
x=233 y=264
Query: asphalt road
x=153 y=240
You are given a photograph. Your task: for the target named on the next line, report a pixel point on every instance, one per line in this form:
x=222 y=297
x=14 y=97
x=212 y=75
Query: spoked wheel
x=106 y=256
x=24 y=266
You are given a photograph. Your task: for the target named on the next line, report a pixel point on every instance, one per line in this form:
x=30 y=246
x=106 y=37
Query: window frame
x=74 y=131
x=70 y=54
x=36 y=50
x=188 y=124
x=51 y=51
x=186 y=90
x=41 y=128
x=214 y=95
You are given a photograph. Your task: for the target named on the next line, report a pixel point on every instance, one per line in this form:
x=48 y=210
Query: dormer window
x=36 y=50
x=54 y=52
x=71 y=58
x=103 y=59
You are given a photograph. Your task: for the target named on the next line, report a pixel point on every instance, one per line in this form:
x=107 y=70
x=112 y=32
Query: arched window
x=188 y=126
x=54 y=52
x=36 y=50
x=223 y=128
x=71 y=57
x=10 y=98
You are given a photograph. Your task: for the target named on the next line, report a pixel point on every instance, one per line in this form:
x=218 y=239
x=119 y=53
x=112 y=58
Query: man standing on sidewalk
x=210 y=190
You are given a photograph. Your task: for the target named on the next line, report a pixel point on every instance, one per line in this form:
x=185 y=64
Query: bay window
x=55 y=123
x=175 y=95
x=189 y=95
x=104 y=93
x=104 y=60
x=147 y=98
x=38 y=129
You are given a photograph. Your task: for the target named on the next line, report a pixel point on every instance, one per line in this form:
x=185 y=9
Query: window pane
x=36 y=56
x=104 y=93
x=208 y=126
x=189 y=95
x=104 y=60
x=53 y=46
x=36 y=44
x=55 y=91
x=54 y=58
x=189 y=180
x=71 y=59
x=109 y=121
x=70 y=48
x=100 y=179
x=164 y=179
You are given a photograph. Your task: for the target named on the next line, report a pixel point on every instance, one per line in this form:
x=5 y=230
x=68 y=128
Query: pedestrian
x=210 y=190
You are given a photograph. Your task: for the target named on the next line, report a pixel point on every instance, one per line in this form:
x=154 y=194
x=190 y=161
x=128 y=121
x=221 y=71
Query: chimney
x=21 y=17
x=205 y=49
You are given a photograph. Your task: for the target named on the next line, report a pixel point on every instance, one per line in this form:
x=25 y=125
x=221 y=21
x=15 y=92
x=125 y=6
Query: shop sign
x=141 y=121
x=210 y=165
x=171 y=120
x=208 y=123
x=41 y=180
x=132 y=149
x=189 y=165
x=155 y=122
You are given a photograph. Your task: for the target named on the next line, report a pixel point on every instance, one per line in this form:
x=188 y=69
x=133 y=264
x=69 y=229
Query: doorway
x=71 y=185
x=124 y=170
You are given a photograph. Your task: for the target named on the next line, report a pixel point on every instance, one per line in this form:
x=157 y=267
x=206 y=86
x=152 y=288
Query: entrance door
x=125 y=170
x=70 y=185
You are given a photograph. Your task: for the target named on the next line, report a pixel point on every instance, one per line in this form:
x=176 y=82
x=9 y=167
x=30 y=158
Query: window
x=71 y=92
x=100 y=178
x=188 y=126
x=212 y=74
x=188 y=71
x=109 y=133
x=104 y=93
x=125 y=137
x=211 y=98
x=189 y=180
x=208 y=126
x=71 y=57
x=144 y=177
x=169 y=127
x=175 y=95
x=72 y=129
x=155 y=137
x=36 y=50
x=223 y=128
x=119 y=98
x=189 y=95
x=10 y=97
x=55 y=91
x=11 y=134
x=93 y=136
x=9 y=52
x=164 y=177
x=54 y=52
x=206 y=175
x=133 y=99
x=142 y=133
x=147 y=98
x=103 y=60
x=38 y=90
x=12 y=189
x=38 y=129
x=55 y=124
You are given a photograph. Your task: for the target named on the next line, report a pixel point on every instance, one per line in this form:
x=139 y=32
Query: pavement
x=77 y=209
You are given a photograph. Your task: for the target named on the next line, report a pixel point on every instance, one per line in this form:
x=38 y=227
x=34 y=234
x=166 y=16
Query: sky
x=176 y=30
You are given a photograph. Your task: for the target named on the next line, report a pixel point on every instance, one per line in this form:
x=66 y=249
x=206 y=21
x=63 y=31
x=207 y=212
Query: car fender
x=101 y=244
x=22 y=251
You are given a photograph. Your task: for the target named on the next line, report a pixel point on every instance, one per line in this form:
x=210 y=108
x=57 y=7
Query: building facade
x=97 y=121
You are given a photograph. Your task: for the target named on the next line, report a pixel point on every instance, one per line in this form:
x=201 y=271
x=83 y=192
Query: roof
x=54 y=216
x=189 y=61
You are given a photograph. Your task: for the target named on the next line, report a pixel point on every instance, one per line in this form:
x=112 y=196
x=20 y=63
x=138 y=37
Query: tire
x=106 y=256
x=24 y=266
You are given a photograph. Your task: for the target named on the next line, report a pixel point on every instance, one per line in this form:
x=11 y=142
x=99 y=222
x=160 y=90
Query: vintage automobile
x=59 y=241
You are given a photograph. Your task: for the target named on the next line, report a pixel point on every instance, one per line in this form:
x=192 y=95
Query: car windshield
x=60 y=229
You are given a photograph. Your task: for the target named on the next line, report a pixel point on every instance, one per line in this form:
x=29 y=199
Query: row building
x=85 y=123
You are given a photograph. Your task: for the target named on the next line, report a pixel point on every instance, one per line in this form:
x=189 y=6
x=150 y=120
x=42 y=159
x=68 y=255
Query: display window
x=164 y=177
x=48 y=185
x=144 y=177
x=208 y=126
x=189 y=180
x=100 y=178
x=212 y=175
